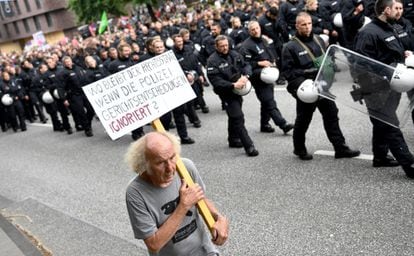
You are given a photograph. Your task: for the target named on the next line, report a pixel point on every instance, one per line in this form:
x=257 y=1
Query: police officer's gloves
x=310 y=73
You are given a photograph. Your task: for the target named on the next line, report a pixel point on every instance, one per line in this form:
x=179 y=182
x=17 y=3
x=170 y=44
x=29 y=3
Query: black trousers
x=179 y=119
x=386 y=137
x=51 y=109
x=236 y=128
x=64 y=113
x=304 y=114
x=268 y=106
x=16 y=112
x=82 y=109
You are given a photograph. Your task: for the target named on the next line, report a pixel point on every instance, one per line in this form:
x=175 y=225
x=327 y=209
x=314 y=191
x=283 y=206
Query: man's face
x=158 y=47
x=254 y=30
x=125 y=52
x=396 y=11
x=179 y=43
x=51 y=63
x=215 y=30
x=304 y=26
x=68 y=63
x=223 y=46
x=161 y=162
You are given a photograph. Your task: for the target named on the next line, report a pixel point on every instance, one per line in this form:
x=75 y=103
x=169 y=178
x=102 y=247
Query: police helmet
x=47 y=97
x=402 y=78
x=269 y=75
x=307 y=91
x=7 y=100
x=244 y=90
x=337 y=20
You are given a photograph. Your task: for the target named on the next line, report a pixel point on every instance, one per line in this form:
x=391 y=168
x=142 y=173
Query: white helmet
x=197 y=47
x=56 y=93
x=244 y=90
x=169 y=42
x=47 y=97
x=409 y=61
x=402 y=79
x=269 y=75
x=337 y=20
x=7 y=100
x=325 y=38
x=307 y=91
x=366 y=21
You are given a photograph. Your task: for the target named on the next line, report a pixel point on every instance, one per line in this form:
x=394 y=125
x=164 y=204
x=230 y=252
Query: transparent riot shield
x=363 y=84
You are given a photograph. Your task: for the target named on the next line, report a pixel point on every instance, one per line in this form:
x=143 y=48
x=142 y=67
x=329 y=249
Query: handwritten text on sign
x=139 y=94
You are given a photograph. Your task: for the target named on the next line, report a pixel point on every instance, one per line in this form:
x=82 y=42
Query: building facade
x=20 y=19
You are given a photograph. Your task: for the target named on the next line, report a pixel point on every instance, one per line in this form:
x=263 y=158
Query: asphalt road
x=277 y=204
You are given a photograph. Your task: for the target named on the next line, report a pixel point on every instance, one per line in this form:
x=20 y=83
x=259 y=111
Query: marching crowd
x=230 y=46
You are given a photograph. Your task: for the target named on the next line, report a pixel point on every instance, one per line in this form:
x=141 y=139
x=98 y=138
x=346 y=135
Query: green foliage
x=91 y=10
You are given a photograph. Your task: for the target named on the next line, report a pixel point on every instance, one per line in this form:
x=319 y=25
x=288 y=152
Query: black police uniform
x=189 y=64
x=379 y=41
x=3 y=113
x=253 y=51
x=52 y=83
x=16 y=109
x=351 y=23
x=223 y=70
x=300 y=65
x=82 y=110
x=39 y=85
x=27 y=76
x=287 y=14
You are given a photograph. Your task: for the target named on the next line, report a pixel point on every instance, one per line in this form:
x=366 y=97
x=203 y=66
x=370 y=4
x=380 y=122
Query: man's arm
x=189 y=196
x=221 y=226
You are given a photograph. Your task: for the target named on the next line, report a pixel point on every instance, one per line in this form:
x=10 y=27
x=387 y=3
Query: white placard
x=139 y=94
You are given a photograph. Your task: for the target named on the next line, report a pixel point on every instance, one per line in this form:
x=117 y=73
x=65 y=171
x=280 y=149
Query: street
x=68 y=188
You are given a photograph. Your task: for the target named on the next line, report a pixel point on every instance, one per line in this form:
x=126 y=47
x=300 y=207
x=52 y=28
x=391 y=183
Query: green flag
x=104 y=23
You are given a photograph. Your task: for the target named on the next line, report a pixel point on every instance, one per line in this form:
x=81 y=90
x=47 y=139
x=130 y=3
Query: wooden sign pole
x=182 y=171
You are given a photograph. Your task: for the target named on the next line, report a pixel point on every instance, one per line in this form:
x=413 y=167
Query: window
x=6 y=26
x=16 y=3
x=38 y=4
x=26 y=25
x=26 y=2
x=16 y=27
x=37 y=23
x=49 y=19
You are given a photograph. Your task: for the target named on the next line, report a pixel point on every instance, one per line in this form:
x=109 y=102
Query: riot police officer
x=298 y=58
x=15 y=110
x=227 y=70
x=55 y=86
x=259 y=55
x=39 y=82
x=378 y=40
x=73 y=78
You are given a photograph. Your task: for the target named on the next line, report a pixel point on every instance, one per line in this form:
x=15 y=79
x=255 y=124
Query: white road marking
x=41 y=125
x=332 y=153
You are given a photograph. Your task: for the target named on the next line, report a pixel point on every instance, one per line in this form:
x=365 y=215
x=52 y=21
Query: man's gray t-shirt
x=149 y=207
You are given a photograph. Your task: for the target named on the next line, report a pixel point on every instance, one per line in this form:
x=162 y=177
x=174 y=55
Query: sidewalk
x=14 y=243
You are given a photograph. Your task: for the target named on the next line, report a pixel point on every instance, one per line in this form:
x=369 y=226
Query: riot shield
x=365 y=85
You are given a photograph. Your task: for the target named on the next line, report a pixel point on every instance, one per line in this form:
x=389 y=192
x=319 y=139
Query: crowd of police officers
x=50 y=81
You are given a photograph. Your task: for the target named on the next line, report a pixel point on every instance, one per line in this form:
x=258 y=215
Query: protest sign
x=139 y=94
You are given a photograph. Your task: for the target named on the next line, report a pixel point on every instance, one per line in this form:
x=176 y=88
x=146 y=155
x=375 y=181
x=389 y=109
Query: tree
x=91 y=10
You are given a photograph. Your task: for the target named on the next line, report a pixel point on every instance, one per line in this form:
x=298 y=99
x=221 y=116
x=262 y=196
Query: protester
x=161 y=206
